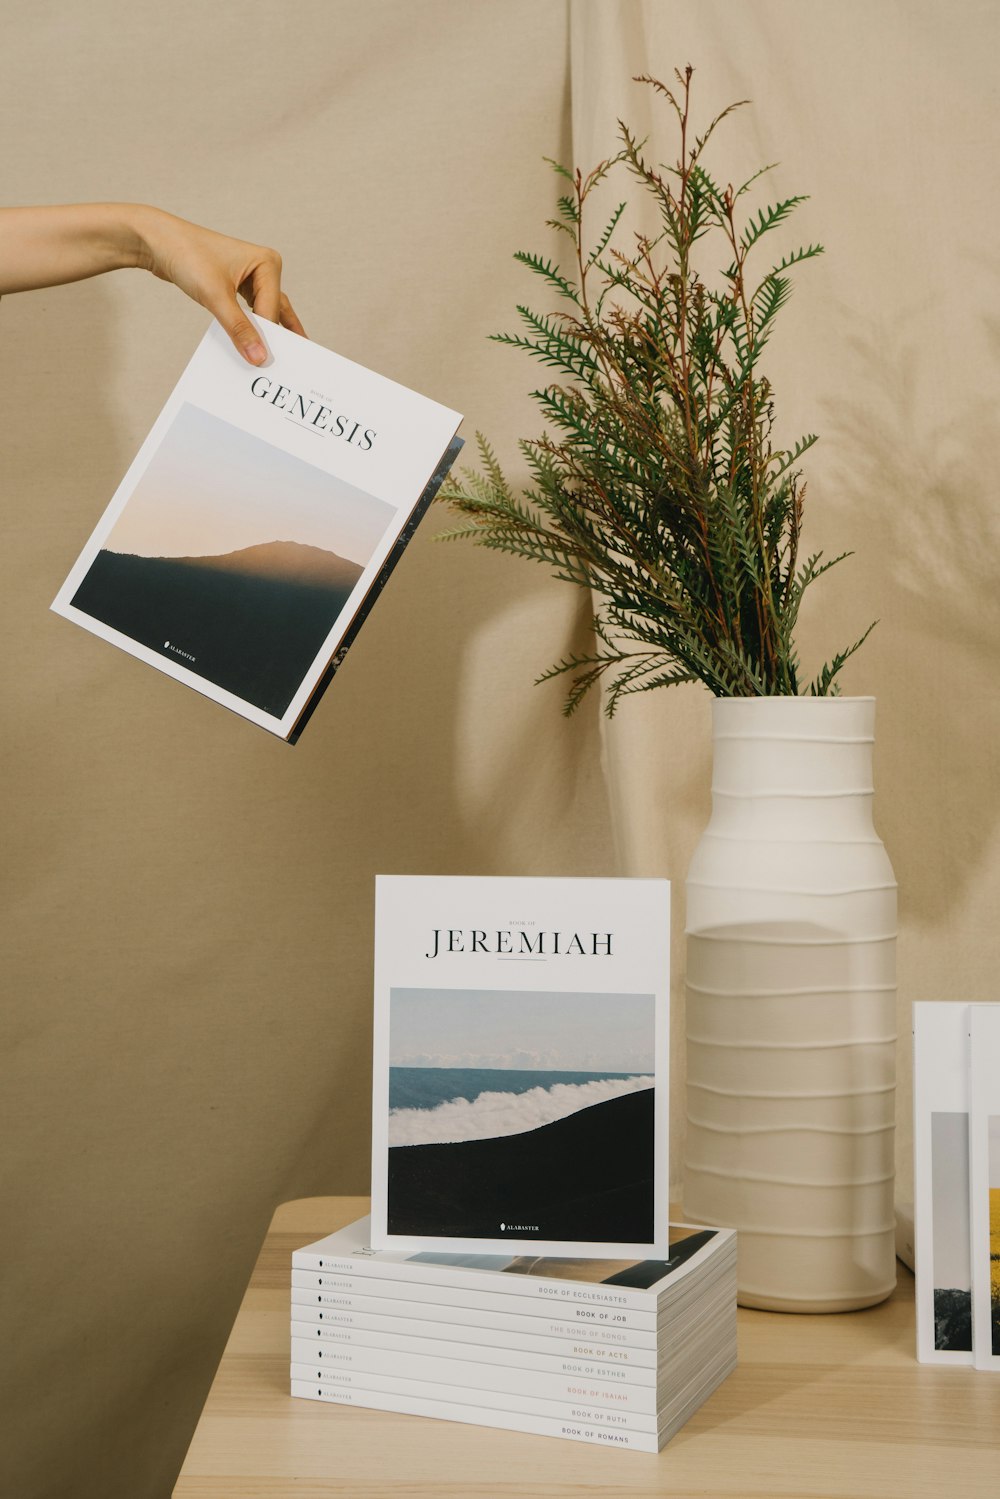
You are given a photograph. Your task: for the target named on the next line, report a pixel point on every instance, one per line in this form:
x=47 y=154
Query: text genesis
x=310 y=411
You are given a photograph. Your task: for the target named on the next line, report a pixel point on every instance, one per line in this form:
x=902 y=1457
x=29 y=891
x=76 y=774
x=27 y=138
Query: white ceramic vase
x=791 y=1017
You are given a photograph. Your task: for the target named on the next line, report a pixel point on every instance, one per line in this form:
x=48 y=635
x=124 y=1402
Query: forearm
x=49 y=245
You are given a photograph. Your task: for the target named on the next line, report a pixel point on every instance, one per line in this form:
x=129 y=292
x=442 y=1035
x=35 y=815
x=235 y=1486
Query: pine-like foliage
x=657 y=485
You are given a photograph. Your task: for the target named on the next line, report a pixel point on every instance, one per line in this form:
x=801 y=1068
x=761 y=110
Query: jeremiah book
x=258 y=522
x=520 y=1066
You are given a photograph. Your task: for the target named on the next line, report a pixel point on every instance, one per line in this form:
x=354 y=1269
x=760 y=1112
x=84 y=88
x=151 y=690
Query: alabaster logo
x=515 y=942
x=519 y=1228
x=175 y=650
x=312 y=411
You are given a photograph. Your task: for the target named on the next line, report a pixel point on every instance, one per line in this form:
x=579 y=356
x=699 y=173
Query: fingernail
x=255 y=352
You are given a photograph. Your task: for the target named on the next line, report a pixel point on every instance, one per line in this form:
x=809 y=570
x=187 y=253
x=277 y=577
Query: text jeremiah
x=522 y=944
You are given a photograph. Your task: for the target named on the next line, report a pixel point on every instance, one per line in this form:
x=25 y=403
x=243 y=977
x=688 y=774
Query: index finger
x=289 y=318
x=265 y=289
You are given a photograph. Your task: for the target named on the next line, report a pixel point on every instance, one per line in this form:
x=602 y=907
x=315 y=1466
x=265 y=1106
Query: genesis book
x=520 y=1066
x=258 y=522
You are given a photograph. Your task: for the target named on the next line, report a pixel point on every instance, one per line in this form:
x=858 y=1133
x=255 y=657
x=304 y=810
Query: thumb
x=244 y=334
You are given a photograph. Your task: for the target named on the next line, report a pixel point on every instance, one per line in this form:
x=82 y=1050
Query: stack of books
x=615 y=1352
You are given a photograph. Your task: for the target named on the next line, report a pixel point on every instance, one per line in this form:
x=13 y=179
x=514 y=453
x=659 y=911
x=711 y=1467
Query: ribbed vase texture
x=791 y=1007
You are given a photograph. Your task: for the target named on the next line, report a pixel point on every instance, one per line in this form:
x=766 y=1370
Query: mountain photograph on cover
x=952 y=1244
x=233 y=559
x=527 y=1115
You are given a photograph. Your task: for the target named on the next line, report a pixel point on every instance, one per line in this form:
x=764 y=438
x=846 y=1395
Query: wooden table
x=820 y=1406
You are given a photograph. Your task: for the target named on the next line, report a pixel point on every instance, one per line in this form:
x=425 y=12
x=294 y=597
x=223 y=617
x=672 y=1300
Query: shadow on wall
x=921 y=503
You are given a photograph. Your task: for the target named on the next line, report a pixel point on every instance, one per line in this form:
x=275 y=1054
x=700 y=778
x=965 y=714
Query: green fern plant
x=657 y=484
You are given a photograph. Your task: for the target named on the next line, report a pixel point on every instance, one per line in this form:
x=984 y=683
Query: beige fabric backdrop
x=187 y=903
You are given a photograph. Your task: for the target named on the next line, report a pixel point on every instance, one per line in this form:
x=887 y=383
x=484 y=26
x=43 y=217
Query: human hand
x=212 y=269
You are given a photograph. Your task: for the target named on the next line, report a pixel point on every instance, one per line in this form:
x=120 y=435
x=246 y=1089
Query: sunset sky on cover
x=212 y=488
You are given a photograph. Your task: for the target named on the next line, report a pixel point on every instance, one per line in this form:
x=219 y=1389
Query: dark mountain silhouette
x=250 y=621
x=953 y=1320
x=286 y=562
x=588 y=1177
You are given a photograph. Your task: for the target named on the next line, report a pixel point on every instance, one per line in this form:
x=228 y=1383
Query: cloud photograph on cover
x=952 y=1241
x=233 y=559
x=525 y=1114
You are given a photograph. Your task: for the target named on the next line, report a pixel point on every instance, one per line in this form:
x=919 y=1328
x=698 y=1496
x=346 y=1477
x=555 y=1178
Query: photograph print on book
x=529 y=1113
x=200 y=567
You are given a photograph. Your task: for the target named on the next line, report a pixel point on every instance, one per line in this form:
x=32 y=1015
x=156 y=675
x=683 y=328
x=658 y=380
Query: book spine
x=343 y=1310
x=569 y=1428
x=566 y=1388
x=471 y=1291
x=518 y=1356
x=455 y=1339
x=613 y=1299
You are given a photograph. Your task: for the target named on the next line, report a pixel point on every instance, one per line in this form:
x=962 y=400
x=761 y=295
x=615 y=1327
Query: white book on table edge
x=984 y=1182
x=940 y=1169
